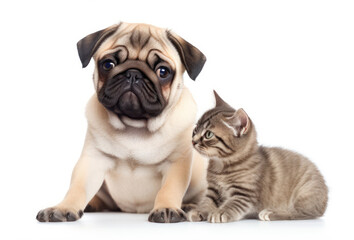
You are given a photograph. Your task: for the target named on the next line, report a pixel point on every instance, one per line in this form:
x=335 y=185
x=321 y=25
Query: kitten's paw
x=264 y=215
x=56 y=214
x=196 y=216
x=167 y=215
x=220 y=217
x=189 y=207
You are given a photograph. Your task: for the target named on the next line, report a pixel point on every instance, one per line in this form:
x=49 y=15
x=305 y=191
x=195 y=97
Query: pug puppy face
x=138 y=71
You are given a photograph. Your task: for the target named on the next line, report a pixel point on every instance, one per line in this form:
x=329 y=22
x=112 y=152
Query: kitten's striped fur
x=247 y=180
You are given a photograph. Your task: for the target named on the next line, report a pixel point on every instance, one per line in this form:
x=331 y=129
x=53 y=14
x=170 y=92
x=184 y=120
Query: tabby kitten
x=247 y=180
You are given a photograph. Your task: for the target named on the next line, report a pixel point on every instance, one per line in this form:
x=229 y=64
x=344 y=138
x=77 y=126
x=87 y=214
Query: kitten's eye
x=208 y=134
x=108 y=65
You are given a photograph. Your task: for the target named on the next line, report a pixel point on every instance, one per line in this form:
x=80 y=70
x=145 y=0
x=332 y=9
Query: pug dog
x=137 y=156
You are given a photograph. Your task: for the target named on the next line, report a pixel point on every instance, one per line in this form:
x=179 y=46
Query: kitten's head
x=223 y=132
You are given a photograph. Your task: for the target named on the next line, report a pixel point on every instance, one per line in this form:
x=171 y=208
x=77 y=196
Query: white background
x=289 y=64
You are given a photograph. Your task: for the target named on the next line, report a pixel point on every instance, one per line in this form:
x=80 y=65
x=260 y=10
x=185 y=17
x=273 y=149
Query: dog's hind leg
x=102 y=201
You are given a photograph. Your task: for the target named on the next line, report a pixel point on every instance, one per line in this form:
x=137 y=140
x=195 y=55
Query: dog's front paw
x=55 y=214
x=167 y=215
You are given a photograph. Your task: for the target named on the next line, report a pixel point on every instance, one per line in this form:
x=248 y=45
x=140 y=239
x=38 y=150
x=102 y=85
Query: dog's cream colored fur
x=146 y=164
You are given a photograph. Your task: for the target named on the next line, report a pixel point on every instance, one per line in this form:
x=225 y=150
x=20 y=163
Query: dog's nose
x=133 y=75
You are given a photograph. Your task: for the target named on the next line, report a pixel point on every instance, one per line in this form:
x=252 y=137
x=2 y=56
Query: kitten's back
x=291 y=182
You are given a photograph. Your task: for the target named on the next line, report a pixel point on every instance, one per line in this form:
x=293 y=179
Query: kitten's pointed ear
x=192 y=58
x=219 y=101
x=87 y=46
x=241 y=122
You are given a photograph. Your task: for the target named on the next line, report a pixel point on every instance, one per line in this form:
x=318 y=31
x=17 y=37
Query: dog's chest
x=137 y=148
x=134 y=188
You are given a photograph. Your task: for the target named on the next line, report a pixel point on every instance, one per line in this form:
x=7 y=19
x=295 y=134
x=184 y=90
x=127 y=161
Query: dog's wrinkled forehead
x=140 y=41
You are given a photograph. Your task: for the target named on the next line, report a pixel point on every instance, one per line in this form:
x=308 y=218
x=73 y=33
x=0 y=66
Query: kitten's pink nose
x=194 y=143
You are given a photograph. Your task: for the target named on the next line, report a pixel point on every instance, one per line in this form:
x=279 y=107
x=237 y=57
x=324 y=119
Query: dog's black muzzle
x=132 y=89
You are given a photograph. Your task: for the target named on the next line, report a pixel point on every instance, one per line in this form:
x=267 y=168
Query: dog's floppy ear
x=89 y=44
x=192 y=58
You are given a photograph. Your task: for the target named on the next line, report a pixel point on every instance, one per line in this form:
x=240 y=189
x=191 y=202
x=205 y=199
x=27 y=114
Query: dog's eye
x=209 y=134
x=108 y=65
x=163 y=72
